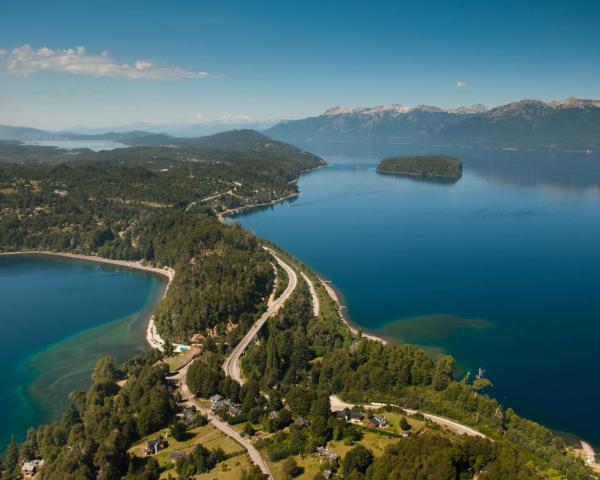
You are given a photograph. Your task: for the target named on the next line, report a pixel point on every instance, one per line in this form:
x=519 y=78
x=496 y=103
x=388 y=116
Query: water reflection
x=563 y=171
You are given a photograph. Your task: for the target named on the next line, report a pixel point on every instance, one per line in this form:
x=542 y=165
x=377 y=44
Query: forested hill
x=220 y=172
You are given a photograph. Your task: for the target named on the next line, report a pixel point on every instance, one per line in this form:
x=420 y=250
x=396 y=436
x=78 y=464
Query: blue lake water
x=500 y=269
x=58 y=317
x=96 y=144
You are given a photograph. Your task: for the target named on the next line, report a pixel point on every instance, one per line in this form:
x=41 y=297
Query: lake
x=59 y=316
x=500 y=269
x=96 y=144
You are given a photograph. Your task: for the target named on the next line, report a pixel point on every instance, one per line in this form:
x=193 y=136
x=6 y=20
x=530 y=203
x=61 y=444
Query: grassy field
x=207 y=436
x=179 y=360
x=230 y=469
x=310 y=463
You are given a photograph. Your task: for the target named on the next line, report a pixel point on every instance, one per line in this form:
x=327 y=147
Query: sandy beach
x=341 y=308
x=152 y=336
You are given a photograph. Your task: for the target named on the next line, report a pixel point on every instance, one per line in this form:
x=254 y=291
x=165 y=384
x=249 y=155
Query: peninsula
x=425 y=166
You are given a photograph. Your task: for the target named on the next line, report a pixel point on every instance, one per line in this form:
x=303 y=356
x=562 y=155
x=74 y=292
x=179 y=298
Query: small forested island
x=279 y=410
x=425 y=166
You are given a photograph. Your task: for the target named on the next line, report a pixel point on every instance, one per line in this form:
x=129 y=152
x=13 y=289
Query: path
x=232 y=363
x=313 y=294
x=338 y=404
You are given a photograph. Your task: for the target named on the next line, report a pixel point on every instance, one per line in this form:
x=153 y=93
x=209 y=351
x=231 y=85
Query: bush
x=291 y=468
x=178 y=431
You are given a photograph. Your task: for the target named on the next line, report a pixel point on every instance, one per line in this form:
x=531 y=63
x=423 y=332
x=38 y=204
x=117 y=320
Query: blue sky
x=228 y=61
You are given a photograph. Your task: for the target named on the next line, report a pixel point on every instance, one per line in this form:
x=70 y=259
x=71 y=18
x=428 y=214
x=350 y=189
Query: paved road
x=313 y=294
x=189 y=400
x=338 y=404
x=232 y=363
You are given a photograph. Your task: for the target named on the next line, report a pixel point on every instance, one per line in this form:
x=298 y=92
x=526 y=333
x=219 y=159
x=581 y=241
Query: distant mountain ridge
x=570 y=124
x=25 y=134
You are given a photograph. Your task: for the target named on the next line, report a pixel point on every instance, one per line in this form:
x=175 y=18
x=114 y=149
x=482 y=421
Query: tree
x=357 y=460
x=290 y=468
x=178 y=430
x=111 y=457
x=11 y=463
x=404 y=425
x=248 y=430
x=443 y=372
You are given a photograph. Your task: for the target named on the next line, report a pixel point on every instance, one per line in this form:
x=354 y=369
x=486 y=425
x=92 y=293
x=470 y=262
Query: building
x=326 y=454
x=29 y=469
x=377 y=421
x=233 y=410
x=349 y=415
x=152 y=447
x=216 y=401
x=189 y=416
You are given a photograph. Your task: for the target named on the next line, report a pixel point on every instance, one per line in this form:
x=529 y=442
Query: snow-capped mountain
x=570 y=124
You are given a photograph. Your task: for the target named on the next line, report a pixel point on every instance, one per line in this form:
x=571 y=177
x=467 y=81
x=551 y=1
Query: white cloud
x=24 y=61
x=2 y=52
x=461 y=84
x=234 y=117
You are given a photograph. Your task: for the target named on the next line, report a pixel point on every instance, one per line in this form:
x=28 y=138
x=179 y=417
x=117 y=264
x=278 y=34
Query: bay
x=58 y=316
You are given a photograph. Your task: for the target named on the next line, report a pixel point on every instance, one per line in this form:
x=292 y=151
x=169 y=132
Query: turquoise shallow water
x=500 y=269
x=58 y=317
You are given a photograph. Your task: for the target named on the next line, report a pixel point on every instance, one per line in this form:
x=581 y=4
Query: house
x=302 y=422
x=152 y=447
x=29 y=469
x=189 y=416
x=326 y=454
x=377 y=421
x=349 y=415
x=216 y=401
x=233 y=410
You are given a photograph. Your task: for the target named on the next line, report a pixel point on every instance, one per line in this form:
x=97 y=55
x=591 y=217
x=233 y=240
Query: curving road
x=338 y=404
x=232 y=363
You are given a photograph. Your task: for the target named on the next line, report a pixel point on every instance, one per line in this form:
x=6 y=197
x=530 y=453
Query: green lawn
x=207 y=435
x=179 y=360
x=310 y=463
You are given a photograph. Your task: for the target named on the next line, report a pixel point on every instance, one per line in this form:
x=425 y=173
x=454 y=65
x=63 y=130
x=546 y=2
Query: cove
x=58 y=316
x=500 y=269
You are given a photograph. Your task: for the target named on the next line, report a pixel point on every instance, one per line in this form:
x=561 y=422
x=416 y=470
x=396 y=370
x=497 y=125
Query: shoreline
x=342 y=309
x=236 y=211
x=152 y=337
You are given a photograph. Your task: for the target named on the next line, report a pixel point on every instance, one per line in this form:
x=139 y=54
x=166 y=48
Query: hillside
x=570 y=124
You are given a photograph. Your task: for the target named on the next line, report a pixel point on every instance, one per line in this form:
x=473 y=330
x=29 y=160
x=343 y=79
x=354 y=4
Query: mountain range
x=571 y=124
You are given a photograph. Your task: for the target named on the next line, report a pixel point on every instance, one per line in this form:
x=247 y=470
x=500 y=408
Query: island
x=424 y=166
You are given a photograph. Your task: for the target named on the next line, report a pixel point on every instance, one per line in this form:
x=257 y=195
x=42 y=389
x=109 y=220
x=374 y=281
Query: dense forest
x=425 y=166
x=159 y=204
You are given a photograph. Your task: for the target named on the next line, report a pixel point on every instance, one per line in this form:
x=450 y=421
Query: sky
x=105 y=63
